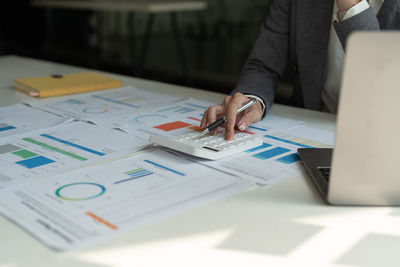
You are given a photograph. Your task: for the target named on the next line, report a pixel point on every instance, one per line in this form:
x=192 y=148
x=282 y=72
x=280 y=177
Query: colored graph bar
x=195 y=119
x=66 y=153
x=257 y=128
x=172 y=126
x=271 y=153
x=168 y=108
x=73 y=145
x=289 y=159
x=287 y=141
x=264 y=145
x=114 y=101
x=101 y=220
x=25 y=154
x=35 y=162
x=140 y=173
x=165 y=168
x=185 y=110
x=8 y=148
x=135 y=174
x=195 y=106
x=6 y=128
x=196 y=128
x=133 y=171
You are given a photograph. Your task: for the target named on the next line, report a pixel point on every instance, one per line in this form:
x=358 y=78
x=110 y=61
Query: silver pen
x=222 y=120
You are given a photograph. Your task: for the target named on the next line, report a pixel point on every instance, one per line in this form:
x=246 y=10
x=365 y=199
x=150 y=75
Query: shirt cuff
x=353 y=11
x=259 y=100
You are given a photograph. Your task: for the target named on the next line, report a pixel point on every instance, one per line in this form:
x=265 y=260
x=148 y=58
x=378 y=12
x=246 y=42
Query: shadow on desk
x=287 y=224
x=281 y=224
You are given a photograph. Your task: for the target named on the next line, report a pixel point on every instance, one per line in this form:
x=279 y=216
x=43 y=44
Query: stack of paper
x=74 y=183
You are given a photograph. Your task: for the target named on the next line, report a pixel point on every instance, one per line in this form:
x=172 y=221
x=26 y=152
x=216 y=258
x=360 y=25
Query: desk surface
x=146 y=6
x=284 y=225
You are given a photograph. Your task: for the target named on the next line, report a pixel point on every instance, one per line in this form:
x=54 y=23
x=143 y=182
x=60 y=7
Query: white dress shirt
x=330 y=93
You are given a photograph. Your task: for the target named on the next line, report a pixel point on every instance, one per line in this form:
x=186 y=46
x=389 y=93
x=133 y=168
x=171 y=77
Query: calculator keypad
x=217 y=142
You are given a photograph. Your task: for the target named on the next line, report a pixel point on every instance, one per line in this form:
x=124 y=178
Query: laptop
x=364 y=166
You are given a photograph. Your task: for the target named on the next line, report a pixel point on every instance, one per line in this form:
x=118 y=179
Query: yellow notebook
x=55 y=85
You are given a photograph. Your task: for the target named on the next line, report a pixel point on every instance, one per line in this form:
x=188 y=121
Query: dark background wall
x=216 y=41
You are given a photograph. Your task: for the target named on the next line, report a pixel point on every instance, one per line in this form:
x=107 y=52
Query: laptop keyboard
x=326 y=172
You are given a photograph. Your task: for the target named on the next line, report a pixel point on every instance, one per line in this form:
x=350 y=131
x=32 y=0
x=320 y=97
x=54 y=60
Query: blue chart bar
x=35 y=162
x=196 y=106
x=168 y=108
x=271 y=153
x=264 y=145
x=260 y=129
x=135 y=175
x=287 y=141
x=114 y=101
x=6 y=128
x=185 y=110
x=73 y=145
x=165 y=168
x=289 y=159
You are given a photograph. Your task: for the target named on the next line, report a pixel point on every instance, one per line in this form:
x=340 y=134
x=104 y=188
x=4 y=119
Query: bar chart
x=170 y=126
x=61 y=148
x=6 y=127
x=134 y=174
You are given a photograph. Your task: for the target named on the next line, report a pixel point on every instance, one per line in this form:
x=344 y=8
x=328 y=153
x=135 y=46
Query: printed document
x=47 y=152
x=181 y=118
x=178 y=119
x=19 y=118
x=276 y=159
x=103 y=103
x=88 y=205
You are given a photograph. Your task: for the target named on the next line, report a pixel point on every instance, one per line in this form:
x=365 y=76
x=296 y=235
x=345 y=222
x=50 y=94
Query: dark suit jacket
x=296 y=34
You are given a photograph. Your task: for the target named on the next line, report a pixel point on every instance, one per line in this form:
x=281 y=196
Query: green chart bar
x=25 y=154
x=66 y=153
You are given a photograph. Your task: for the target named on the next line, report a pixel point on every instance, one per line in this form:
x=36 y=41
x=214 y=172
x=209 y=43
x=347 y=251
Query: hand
x=229 y=108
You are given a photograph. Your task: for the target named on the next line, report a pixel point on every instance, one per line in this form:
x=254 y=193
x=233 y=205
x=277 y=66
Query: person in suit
x=309 y=36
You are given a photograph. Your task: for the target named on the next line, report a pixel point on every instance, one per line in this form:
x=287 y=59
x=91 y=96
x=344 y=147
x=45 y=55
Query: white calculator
x=208 y=146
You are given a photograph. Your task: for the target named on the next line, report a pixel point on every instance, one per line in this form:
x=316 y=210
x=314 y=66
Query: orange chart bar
x=196 y=128
x=172 y=126
x=110 y=225
x=193 y=118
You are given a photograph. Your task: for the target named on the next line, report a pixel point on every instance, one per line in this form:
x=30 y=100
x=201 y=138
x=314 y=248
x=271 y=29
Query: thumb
x=248 y=119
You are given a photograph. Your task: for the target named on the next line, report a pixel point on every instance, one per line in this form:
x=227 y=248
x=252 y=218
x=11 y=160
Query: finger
x=213 y=113
x=231 y=113
x=237 y=101
x=204 y=120
x=227 y=101
x=248 y=119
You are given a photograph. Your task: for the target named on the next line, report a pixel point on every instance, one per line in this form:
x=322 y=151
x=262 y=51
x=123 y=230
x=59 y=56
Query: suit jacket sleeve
x=268 y=59
x=364 y=21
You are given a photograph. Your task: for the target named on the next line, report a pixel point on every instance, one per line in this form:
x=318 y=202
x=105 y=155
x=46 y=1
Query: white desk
x=284 y=225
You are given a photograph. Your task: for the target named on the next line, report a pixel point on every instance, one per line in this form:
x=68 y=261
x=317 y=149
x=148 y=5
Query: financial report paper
x=88 y=205
x=276 y=159
x=61 y=148
x=180 y=118
x=103 y=104
x=19 y=118
x=168 y=121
